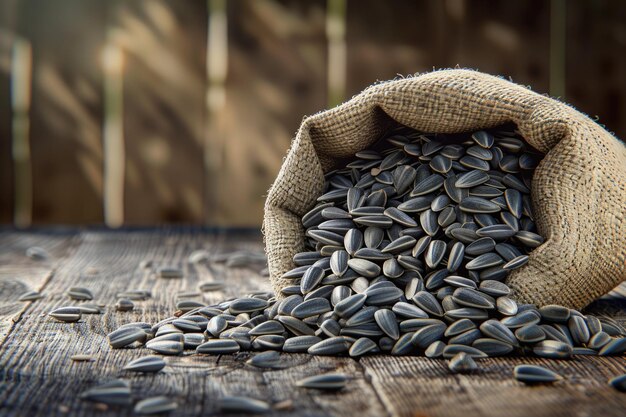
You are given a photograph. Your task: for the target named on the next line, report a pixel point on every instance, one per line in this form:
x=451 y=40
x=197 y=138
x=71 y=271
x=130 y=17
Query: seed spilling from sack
x=407 y=252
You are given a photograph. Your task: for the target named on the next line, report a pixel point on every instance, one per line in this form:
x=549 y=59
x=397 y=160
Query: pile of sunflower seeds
x=407 y=251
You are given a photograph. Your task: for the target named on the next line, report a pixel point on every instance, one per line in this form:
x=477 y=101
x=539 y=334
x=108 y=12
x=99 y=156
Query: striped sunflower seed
x=170 y=272
x=219 y=347
x=333 y=382
x=462 y=363
x=30 y=296
x=146 y=364
x=155 y=405
x=233 y=404
x=66 y=314
x=270 y=359
x=362 y=346
x=533 y=374
x=80 y=294
x=619 y=383
x=125 y=336
x=116 y=392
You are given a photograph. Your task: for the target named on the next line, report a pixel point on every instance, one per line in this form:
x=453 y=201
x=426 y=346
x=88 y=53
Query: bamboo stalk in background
x=113 y=135
x=216 y=72
x=21 y=79
x=558 y=39
x=336 y=35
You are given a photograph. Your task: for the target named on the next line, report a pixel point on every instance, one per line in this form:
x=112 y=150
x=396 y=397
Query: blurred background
x=143 y=112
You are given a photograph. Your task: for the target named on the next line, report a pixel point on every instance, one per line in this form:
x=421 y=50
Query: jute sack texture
x=578 y=190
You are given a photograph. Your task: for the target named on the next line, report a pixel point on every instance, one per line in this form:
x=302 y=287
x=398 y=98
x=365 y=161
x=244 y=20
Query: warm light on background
x=154 y=111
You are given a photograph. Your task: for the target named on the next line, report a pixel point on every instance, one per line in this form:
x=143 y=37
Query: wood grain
x=38 y=378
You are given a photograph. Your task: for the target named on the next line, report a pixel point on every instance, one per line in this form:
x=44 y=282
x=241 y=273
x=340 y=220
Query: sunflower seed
x=458 y=327
x=619 y=383
x=435 y=252
x=30 y=296
x=529 y=239
x=362 y=346
x=471 y=179
x=496 y=232
x=267 y=327
x=80 y=294
x=364 y=267
x=219 y=347
x=427 y=185
x=555 y=313
x=427 y=302
x=494 y=288
x=170 y=272
x=243 y=405
x=483 y=138
x=146 y=364
x=498 y=331
x=324 y=382
x=470 y=297
x=166 y=347
x=115 y=392
x=66 y=314
x=456 y=256
x=426 y=335
x=616 y=346
x=552 y=349
x=435 y=350
x=533 y=374
x=350 y=305
x=312 y=307
x=403 y=345
x=480 y=246
x=484 y=261
x=530 y=333
x=247 y=305
x=492 y=347
x=387 y=322
x=428 y=221
x=330 y=346
x=124 y=304
x=451 y=350
x=300 y=343
x=155 y=405
x=578 y=329
x=598 y=340
x=269 y=359
x=462 y=363
x=211 y=286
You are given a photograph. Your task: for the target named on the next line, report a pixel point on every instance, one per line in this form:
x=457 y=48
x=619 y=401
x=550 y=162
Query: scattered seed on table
x=146 y=364
x=533 y=374
x=243 y=405
x=324 y=382
x=80 y=294
x=66 y=314
x=170 y=272
x=116 y=392
x=619 y=383
x=37 y=253
x=155 y=405
x=124 y=304
x=30 y=296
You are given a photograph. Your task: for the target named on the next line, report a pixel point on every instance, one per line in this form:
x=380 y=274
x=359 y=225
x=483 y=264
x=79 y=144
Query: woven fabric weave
x=579 y=188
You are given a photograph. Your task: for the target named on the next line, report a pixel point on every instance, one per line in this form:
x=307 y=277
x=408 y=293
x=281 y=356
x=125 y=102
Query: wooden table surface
x=38 y=378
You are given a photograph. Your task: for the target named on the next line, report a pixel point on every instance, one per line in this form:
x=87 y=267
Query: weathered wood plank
x=19 y=273
x=420 y=386
x=39 y=378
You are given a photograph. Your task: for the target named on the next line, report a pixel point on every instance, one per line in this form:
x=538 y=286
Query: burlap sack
x=579 y=189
